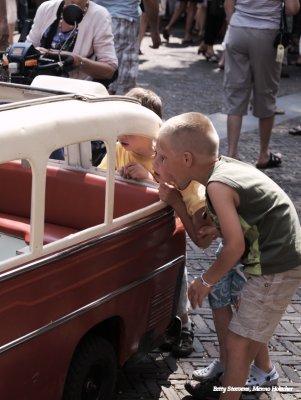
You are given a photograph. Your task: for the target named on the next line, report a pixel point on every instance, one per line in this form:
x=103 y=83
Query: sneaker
x=185 y=345
x=215 y=369
x=257 y=377
x=203 y=390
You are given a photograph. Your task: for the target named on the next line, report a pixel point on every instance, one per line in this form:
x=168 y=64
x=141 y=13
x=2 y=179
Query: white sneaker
x=212 y=371
x=257 y=377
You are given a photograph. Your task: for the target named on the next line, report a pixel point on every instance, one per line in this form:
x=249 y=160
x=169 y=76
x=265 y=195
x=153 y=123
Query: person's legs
x=200 y=18
x=222 y=317
x=142 y=28
x=266 y=78
x=126 y=42
x=180 y=8
x=180 y=342
x=190 y=15
x=237 y=84
x=234 y=123
x=240 y=352
x=184 y=345
x=265 y=131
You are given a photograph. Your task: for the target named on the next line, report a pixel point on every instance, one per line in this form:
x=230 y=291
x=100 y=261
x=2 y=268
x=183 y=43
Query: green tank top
x=268 y=218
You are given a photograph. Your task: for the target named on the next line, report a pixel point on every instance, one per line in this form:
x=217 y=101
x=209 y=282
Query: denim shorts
x=227 y=289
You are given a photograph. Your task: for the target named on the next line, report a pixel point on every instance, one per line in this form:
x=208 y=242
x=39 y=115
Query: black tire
x=93 y=370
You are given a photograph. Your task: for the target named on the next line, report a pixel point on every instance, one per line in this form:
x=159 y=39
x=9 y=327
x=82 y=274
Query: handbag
x=282 y=37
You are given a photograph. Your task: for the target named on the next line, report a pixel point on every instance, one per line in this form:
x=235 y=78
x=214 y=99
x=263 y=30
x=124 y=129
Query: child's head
x=140 y=144
x=187 y=145
x=147 y=98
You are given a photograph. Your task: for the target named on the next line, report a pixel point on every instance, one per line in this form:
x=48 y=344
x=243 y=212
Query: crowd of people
x=213 y=195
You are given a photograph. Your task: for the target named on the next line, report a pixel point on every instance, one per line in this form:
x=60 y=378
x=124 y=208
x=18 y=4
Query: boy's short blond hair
x=193 y=132
x=148 y=99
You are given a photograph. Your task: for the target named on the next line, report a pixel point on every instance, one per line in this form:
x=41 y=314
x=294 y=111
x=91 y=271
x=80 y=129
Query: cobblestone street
x=186 y=82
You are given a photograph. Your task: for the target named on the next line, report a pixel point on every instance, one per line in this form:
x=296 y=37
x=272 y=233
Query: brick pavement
x=187 y=83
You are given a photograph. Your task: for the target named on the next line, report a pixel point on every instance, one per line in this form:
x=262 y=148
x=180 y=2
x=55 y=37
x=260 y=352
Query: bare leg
x=262 y=359
x=234 y=123
x=175 y=16
x=222 y=317
x=143 y=27
x=240 y=353
x=265 y=130
x=191 y=10
x=200 y=18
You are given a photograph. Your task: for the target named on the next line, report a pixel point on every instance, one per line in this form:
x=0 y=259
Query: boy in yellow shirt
x=134 y=154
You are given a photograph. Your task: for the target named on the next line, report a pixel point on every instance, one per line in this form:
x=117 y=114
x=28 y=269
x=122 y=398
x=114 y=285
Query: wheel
x=93 y=370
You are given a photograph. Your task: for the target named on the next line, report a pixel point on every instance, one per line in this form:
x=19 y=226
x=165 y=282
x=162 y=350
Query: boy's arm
x=173 y=197
x=205 y=231
x=225 y=202
x=135 y=171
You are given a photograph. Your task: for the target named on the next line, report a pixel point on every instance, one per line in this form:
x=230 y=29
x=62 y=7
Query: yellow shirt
x=123 y=157
x=193 y=197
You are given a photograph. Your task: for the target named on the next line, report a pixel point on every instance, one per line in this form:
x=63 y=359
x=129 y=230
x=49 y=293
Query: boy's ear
x=187 y=157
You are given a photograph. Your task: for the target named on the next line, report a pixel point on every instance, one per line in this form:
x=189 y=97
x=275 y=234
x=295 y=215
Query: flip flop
x=273 y=162
x=295 y=131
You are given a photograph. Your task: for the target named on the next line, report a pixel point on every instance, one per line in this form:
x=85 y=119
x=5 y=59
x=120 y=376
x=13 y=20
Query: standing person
x=126 y=20
x=90 y=43
x=259 y=226
x=189 y=204
x=215 y=18
x=3 y=27
x=251 y=66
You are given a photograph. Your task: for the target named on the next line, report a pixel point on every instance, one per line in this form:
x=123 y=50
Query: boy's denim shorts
x=227 y=290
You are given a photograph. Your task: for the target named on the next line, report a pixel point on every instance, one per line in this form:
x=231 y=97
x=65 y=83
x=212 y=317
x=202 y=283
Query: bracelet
x=204 y=283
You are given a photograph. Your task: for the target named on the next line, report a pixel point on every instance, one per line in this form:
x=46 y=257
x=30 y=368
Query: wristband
x=204 y=283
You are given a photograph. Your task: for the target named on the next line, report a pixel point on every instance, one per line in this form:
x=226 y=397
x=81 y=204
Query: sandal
x=213 y=370
x=185 y=345
x=295 y=131
x=273 y=162
x=257 y=377
x=211 y=57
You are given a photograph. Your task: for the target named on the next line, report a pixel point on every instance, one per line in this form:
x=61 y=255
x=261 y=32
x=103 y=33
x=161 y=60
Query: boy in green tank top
x=260 y=228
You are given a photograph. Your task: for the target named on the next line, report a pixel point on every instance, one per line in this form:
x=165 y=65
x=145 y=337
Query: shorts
x=126 y=43
x=263 y=302
x=251 y=68
x=227 y=290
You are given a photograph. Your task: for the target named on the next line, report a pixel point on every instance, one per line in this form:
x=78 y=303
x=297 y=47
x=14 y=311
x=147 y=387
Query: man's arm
x=152 y=11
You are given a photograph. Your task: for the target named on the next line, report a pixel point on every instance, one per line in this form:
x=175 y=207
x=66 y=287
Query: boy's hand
x=169 y=194
x=135 y=171
x=206 y=235
x=197 y=292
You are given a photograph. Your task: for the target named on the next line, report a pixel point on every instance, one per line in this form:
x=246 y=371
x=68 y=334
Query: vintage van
x=90 y=264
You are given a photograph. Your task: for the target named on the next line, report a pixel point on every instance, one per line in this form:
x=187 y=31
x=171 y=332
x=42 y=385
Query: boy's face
x=168 y=165
x=138 y=144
